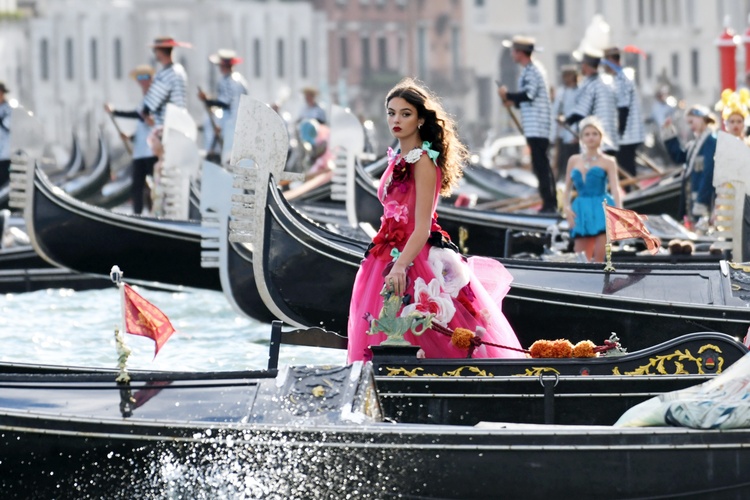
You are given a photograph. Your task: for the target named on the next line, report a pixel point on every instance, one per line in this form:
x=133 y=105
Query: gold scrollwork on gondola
x=458 y=372
x=536 y=371
x=740 y=266
x=679 y=359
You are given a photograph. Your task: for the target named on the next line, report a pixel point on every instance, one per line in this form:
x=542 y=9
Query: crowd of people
x=611 y=110
x=169 y=85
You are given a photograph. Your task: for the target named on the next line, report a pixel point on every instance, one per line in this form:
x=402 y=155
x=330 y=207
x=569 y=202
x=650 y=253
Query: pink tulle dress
x=440 y=280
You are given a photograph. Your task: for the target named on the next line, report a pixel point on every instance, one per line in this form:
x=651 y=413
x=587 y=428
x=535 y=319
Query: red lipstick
x=397 y=129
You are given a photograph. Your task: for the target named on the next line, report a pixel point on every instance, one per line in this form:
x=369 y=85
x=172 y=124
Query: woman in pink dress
x=413 y=256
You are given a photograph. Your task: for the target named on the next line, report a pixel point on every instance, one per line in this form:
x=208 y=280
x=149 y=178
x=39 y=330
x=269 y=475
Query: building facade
x=374 y=43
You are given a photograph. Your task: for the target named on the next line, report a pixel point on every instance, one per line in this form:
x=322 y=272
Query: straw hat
x=168 y=42
x=142 y=71
x=309 y=90
x=520 y=42
x=226 y=56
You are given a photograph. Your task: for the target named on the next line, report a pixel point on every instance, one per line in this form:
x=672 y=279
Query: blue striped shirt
x=627 y=97
x=597 y=98
x=169 y=86
x=565 y=103
x=536 y=113
x=5 y=112
x=229 y=90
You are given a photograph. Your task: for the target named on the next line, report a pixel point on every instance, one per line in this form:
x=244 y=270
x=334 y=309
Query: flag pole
x=123 y=351
x=608 y=246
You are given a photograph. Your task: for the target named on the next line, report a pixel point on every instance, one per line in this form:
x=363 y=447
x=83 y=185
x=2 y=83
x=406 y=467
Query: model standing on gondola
x=411 y=255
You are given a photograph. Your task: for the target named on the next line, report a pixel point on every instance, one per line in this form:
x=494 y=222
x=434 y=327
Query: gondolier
x=231 y=86
x=169 y=85
x=532 y=98
x=596 y=98
x=630 y=129
x=5 y=112
x=564 y=104
x=143 y=156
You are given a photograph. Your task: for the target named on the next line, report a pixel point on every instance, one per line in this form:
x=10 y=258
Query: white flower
x=449 y=269
x=428 y=299
x=413 y=155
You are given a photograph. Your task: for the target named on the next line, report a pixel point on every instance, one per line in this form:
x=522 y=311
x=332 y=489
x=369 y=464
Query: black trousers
x=4 y=172
x=564 y=151
x=141 y=168
x=626 y=157
x=540 y=164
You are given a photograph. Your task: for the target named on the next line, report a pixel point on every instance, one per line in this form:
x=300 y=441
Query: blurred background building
x=65 y=58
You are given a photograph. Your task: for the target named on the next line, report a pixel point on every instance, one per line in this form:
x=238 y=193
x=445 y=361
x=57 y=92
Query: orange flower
x=584 y=349
x=562 y=348
x=461 y=338
x=541 y=349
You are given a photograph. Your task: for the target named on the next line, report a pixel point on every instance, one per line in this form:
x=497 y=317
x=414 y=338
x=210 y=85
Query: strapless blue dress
x=589 y=220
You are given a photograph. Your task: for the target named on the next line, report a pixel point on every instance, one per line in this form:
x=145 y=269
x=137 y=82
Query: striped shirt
x=5 y=112
x=229 y=90
x=597 y=98
x=169 y=86
x=627 y=97
x=536 y=112
x=565 y=103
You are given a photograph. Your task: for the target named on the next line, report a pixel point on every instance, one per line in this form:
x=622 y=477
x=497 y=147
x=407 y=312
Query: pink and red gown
x=440 y=280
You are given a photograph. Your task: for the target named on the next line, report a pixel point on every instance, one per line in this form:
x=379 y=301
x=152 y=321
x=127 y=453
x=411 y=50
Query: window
x=422 y=52
x=651 y=12
x=641 y=14
x=695 y=67
x=280 y=58
x=303 y=58
x=533 y=11
x=664 y=13
x=478 y=3
x=366 y=56
x=649 y=66
x=344 y=52
x=44 y=59
x=560 y=12
x=69 y=62
x=257 y=58
x=94 y=60
x=117 y=58
x=456 y=51
x=382 y=53
x=675 y=65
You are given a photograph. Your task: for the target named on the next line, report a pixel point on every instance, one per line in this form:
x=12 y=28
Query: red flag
x=144 y=318
x=623 y=224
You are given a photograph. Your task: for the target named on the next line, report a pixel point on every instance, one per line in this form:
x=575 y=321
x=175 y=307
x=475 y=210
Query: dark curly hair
x=438 y=128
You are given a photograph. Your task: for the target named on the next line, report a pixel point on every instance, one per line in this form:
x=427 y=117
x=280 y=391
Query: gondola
x=307 y=271
x=308 y=431
x=70 y=233
x=86 y=185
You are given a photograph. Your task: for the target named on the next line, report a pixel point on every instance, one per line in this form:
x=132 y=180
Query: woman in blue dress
x=589 y=174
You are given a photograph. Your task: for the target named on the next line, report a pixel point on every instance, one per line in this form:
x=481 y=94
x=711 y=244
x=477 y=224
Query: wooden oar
x=218 y=139
x=123 y=137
